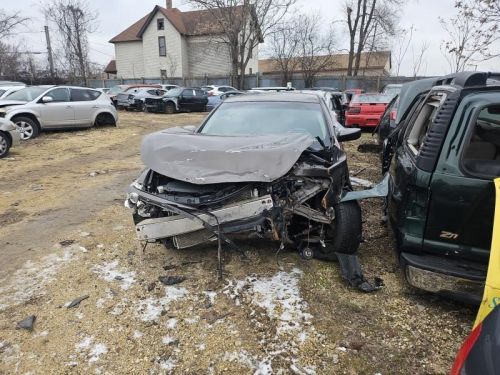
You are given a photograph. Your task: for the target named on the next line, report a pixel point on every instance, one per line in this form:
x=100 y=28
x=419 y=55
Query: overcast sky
x=116 y=15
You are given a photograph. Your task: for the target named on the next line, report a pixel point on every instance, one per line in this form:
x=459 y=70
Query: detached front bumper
x=183 y=219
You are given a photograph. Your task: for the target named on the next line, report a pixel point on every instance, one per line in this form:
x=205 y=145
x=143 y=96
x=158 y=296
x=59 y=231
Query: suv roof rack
x=468 y=79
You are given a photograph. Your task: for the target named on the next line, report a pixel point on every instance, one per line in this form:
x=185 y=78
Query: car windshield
x=174 y=92
x=371 y=98
x=260 y=118
x=28 y=94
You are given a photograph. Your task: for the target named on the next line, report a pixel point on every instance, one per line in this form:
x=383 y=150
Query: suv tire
x=28 y=128
x=344 y=234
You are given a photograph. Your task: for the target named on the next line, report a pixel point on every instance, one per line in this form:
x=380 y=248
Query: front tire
x=169 y=108
x=4 y=145
x=28 y=128
x=344 y=233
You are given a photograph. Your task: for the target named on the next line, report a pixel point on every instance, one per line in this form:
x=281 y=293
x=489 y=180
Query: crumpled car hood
x=7 y=103
x=207 y=159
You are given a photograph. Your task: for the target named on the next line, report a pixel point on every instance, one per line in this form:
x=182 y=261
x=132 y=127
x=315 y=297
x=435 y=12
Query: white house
x=170 y=43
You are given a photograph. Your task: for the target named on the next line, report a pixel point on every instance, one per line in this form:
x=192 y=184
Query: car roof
x=276 y=97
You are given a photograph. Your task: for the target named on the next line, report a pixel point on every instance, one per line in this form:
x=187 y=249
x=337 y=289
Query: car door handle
x=69 y=106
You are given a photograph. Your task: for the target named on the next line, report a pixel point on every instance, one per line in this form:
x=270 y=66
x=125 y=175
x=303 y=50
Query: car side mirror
x=47 y=99
x=191 y=128
x=348 y=134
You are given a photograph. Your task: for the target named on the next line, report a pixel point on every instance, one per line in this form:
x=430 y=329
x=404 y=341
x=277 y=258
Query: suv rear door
x=84 y=104
x=460 y=221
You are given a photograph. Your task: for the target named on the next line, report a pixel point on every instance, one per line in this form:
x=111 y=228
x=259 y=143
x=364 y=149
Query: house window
x=163 y=73
x=161 y=46
x=250 y=70
x=160 y=23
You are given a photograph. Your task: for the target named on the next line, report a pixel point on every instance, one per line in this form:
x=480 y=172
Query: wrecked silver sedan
x=269 y=165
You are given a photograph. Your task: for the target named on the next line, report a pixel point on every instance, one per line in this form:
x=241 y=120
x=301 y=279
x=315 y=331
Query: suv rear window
x=482 y=154
x=83 y=95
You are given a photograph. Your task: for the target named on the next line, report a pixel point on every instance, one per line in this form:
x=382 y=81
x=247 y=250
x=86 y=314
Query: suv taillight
x=464 y=351
x=393 y=115
x=354 y=110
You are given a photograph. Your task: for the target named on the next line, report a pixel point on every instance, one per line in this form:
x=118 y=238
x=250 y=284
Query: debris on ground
x=171 y=280
x=26 y=323
x=76 y=301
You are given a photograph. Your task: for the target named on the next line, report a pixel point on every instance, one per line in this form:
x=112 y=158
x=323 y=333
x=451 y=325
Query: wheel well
x=8 y=136
x=29 y=115
x=107 y=116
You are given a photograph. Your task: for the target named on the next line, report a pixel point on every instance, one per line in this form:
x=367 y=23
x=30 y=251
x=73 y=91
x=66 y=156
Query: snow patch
x=92 y=351
x=30 y=280
x=109 y=272
x=150 y=308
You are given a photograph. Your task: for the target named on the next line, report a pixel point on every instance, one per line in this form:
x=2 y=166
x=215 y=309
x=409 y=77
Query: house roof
x=111 y=67
x=369 y=60
x=191 y=23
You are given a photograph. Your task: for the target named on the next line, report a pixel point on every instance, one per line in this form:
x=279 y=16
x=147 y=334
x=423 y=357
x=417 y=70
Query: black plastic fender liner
x=352 y=273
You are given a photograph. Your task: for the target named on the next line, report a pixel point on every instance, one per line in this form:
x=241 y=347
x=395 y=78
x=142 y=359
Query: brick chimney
x=168 y=4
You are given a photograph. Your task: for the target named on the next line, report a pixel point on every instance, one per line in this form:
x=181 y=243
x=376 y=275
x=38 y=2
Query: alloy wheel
x=25 y=129
x=4 y=146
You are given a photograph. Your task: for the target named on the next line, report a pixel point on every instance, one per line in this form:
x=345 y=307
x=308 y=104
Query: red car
x=365 y=110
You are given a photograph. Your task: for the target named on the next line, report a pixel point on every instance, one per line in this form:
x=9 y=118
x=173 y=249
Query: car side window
x=200 y=93
x=481 y=155
x=188 y=93
x=422 y=120
x=82 y=95
x=60 y=94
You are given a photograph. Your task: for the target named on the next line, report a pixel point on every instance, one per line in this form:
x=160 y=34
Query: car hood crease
x=208 y=159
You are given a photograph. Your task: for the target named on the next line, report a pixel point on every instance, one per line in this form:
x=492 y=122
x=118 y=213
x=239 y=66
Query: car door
x=461 y=209
x=409 y=182
x=85 y=106
x=186 y=100
x=60 y=111
x=201 y=99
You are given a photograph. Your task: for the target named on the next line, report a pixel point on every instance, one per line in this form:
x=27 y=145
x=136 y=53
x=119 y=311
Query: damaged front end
x=297 y=208
x=181 y=201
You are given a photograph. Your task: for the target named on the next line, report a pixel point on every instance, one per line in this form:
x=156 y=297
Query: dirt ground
x=64 y=234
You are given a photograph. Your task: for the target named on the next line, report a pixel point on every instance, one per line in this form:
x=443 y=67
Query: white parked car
x=7 y=90
x=217 y=90
x=36 y=108
x=9 y=136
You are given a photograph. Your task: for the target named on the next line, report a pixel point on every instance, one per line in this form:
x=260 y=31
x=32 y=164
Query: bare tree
x=484 y=18
x=368 y=20
x=284 y=47
x=314 y=48
x=9 y=22
x=171 y=65
x=418 y=58
x=243 y=25
x=461 y=46
x=74 y=20
x=401 y=47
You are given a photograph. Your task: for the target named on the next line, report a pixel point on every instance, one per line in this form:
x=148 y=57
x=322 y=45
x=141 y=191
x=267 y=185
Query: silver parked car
x=35 y=108
x=7 y=90
x=9 y=136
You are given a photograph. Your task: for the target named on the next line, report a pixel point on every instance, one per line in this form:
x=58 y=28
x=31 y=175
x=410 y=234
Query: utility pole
x=49 y=52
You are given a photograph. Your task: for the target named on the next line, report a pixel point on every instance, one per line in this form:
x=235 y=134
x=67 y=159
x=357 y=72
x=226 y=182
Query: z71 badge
x=448 y=235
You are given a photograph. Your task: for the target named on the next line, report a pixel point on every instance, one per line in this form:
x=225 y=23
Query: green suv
x=442 y=159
